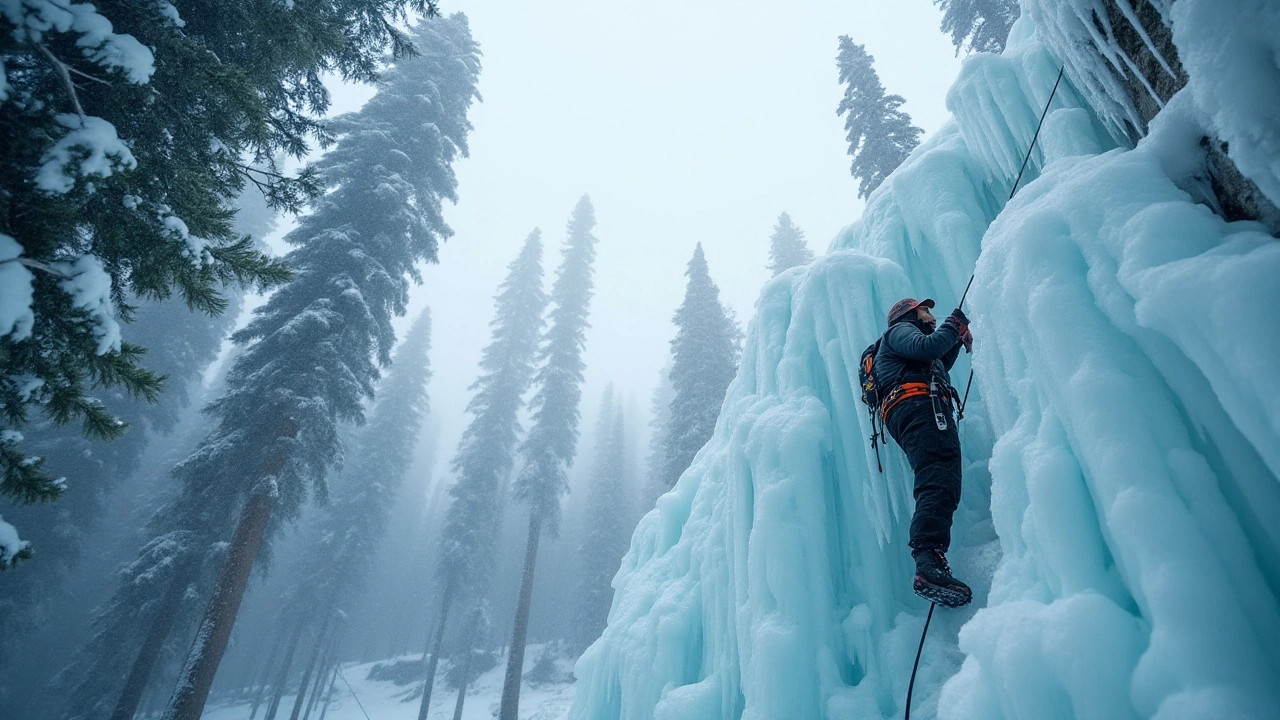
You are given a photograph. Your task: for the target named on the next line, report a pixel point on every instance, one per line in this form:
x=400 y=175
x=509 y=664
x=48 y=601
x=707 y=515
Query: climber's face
x=923 y=314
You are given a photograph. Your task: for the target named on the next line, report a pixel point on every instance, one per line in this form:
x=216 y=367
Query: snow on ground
x=384 y=700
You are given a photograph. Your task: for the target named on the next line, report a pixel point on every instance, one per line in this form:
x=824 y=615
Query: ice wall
x=1118 y=520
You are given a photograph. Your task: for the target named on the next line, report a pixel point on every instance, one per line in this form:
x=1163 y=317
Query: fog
x=685 y=123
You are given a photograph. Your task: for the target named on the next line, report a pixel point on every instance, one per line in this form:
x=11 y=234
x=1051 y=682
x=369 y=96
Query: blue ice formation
x=1120 y=520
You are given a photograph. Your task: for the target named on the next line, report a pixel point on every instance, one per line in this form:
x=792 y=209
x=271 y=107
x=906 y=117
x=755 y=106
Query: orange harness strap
x=900 y=393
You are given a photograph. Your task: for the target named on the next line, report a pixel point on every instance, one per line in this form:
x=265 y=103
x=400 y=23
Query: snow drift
x=1122 y=446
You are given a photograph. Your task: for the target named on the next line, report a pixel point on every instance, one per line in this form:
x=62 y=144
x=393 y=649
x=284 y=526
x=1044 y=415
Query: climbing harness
x=911 y=686
x=1017 y=180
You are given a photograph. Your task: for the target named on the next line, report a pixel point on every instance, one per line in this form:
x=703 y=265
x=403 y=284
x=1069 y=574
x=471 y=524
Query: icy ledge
x=1119 y=514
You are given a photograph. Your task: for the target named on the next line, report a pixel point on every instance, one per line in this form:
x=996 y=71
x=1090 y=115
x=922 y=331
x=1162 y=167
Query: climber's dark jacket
x=934 y=454
x=907 y=353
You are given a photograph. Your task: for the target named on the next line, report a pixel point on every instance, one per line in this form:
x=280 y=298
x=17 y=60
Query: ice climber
x=911 y=367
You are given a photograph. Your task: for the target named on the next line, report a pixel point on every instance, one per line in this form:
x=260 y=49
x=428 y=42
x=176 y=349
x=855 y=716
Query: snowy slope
x=384 y=700
x=1118 y=521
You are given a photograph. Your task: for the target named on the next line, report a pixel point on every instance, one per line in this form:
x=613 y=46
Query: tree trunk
x=264 y=675
x=192 y=690
x=322 y=680
x=462 y=698
x=322 y=677
x=429 y=683
x=328 y=696
x=282 y=675
x=140 y=674
x=187 y=702
x=519 y=635
x=321 y=639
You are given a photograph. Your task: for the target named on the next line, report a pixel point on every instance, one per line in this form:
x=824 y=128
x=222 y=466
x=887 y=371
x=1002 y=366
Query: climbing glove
x=958 y=317
x=966 y=338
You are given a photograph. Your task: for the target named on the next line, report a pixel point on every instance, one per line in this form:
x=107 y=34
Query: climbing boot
x=934 y=582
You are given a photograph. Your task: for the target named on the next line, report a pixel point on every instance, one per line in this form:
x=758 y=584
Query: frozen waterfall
x=1122 y=478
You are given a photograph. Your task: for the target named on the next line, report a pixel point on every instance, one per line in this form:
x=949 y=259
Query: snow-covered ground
x=384 y=700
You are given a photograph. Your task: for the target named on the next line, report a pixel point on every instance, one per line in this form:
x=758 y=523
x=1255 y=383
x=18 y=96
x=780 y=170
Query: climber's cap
x=906 y=305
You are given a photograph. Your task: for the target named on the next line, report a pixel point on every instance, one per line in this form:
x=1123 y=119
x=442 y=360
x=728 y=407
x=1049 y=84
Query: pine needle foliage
x=127 y=129
x=346 y=533
x=704 y=360
x=486 y=453
x=787 y=248
x=879 y=133
x=604 y=540
x=549 y=448
x=311 y=357
x=978 y=25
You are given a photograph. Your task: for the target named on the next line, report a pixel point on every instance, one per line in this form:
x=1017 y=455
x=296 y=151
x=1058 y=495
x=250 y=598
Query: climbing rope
x=359 y=704
x=911 y=686
x=1016 y=181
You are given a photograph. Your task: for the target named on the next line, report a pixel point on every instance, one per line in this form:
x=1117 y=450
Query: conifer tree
x=549 y=448
x=474 y=657
x=181 y=346
x=341 y=542
x=486 y=452
x=128 y=130
x=704 y=359
x=787 y=247
x=318 y=342
x=659 y=417
x=312 y=357
x=607 y=531
x=978 y=25
x=880 y=135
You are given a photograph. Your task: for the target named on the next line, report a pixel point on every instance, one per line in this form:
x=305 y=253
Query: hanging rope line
x=352 y=690
x=1025 y=159
x=911 y=686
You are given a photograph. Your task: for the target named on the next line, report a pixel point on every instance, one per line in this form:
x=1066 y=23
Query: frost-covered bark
x=880 y=135
x=704 y=358
x=549 y=448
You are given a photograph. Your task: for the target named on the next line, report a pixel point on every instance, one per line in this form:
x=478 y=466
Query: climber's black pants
x=935 y=458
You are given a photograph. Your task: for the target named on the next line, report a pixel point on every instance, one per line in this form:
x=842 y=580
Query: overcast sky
x=686 y=122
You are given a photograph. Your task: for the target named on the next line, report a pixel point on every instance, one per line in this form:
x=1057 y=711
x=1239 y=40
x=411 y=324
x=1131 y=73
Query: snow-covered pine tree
x=787 y=247
x=311 y=360
x=604 y=539
x=344 y=536
x=659 y=417
x=549 y=448
x=319 y=340
x=978 y=25
x=704 y=359
x=474 y=657
x=181 y=346
x=880 y=135
x=127 y=129
x=486 y=453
